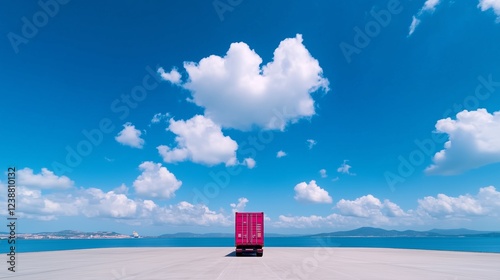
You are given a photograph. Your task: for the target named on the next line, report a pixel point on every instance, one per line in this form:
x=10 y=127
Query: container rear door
x=249 y=229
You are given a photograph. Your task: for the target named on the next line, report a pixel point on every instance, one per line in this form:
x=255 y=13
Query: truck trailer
x=249 y=233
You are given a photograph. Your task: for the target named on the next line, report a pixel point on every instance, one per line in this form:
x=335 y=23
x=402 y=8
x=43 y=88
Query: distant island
x=360 y=232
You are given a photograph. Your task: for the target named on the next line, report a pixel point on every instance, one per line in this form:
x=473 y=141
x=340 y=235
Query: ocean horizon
x=464 y=244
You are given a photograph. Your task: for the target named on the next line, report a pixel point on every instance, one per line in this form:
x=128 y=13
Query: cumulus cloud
x=130 y=136
x=490 y=4
x=156 y=181
x=486 y=202
x=280 y=154
x=310 y=143
x=368 y=210
x=474 y=141
x=323 y=174
x=311 y=193
x=200 y=140
x=173 y=76
x=249 y=162
x=116 y=205
x=369 y=206
x=345 y=168
x=46 y=179
x=240 y=206
x=123 y=189
x=237 y=92
x=107 y=204
x=45 y=208
x=185 y=213
x=363 y=211
x=96 y=203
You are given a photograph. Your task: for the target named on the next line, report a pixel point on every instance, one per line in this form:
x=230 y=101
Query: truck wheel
x=238 y=254
x=259 y=254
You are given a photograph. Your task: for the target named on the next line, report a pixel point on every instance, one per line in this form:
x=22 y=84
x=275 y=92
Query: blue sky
x=168 y=117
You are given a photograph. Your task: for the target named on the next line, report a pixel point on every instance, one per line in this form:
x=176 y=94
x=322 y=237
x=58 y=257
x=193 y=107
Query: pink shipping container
x=249 y=233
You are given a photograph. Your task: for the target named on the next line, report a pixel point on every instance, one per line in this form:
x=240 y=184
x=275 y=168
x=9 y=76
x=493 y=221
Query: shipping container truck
x=249 y=233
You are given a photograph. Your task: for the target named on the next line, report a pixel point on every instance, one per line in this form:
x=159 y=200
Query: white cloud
x=345 y=168
x=46 y=179
x=156 y=181
x=369 y=206
x=414 y=23
x=310 y=143
x=485 y=203
x=122 y=189
x=430 y=5
x=444 y=205
x=428 y=8
x=173 y=76
x=200 y=140
x=237 y=92
x=474 y=141
x=35 y=205
x=490 y=199
x=185 y=213
x=364 y=206
x=280 y=154
x=130 y=136
x=249 y=162
x=240 y=207
x=311 y=193
x=323 y=174
x=364 y=211
x=95 y=203
x=108 y=204
x=159 y=116
x=490 y=4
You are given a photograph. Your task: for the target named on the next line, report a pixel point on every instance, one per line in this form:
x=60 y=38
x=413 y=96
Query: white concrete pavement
x=277 y=263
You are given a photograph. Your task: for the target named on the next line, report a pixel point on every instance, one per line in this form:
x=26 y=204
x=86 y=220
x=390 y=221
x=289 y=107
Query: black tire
x=238 y=254
x=260 y=254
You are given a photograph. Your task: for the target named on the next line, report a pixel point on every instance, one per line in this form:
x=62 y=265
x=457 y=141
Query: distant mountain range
x=378 y=232
x=360 y=232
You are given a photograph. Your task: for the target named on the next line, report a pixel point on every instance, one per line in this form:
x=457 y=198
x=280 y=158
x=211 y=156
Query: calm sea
x=469 y=244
